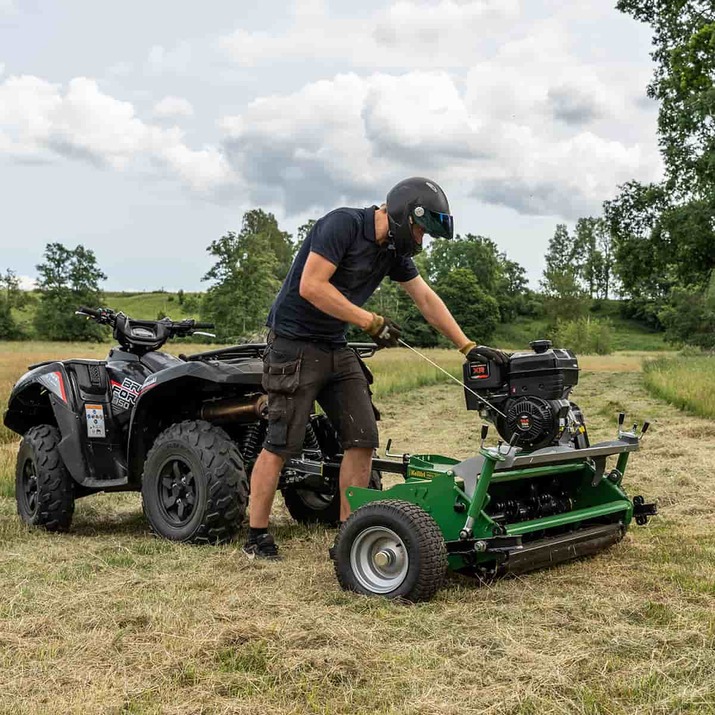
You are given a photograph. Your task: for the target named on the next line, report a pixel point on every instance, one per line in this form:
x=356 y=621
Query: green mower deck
x=502 y=511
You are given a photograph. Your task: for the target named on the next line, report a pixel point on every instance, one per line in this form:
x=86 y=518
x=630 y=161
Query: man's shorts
x=296 y=373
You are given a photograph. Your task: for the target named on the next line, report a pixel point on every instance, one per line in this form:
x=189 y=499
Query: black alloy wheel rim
x=29 y=485
x=177 y=491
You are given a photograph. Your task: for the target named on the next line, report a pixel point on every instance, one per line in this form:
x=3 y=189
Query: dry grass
x=107 y=619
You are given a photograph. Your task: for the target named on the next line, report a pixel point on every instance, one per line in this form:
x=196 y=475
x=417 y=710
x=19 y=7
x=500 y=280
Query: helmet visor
x=436 y=224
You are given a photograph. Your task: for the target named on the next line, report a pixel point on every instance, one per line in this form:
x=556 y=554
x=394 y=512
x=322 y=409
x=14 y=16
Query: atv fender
x=45 y=395
x=174 y=394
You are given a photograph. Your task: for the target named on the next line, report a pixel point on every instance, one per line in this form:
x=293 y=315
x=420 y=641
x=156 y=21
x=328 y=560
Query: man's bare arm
x=434 y=310
x=316 y=288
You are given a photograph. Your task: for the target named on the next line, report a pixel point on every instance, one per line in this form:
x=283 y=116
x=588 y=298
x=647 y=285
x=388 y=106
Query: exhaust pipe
x=235 y=409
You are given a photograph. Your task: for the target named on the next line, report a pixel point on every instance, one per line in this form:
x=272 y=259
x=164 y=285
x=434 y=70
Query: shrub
x=584 y=336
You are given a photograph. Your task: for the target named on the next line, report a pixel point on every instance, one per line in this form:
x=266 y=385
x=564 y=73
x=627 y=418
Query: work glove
x=482 y=353
x=384 y=331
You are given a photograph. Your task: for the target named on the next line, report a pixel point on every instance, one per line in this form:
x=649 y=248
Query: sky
x=145 y=130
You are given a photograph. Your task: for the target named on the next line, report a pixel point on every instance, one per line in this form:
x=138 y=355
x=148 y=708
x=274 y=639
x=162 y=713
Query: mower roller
x=542 y=496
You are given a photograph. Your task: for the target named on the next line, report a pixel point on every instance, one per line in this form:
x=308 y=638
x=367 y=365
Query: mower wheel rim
x=29 y=485
x=379 y=559
x=178 y=491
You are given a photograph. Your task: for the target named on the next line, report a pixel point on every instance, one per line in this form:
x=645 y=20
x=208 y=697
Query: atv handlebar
x=140 y=336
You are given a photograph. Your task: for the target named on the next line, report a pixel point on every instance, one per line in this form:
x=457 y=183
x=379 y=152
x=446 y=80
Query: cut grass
x=686 y=382
x=109 y=619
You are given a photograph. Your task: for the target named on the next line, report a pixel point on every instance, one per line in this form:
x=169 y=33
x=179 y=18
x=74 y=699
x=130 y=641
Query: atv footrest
x=564 y=547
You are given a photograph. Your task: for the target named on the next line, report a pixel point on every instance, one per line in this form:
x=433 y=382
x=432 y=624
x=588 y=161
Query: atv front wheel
x=44 y=490
x=194 y=486
x=391 y=548
x=309 y=507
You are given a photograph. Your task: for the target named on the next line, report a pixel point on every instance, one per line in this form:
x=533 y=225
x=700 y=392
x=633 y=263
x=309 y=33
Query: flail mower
x=544 y=495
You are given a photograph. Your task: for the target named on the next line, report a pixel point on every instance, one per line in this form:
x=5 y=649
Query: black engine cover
x=531 y=393
x=535 y=421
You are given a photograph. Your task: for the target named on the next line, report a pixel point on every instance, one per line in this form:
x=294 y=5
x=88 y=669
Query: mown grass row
x=686 y=382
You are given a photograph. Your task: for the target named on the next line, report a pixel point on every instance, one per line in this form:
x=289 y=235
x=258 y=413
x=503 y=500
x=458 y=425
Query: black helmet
x=421 y=201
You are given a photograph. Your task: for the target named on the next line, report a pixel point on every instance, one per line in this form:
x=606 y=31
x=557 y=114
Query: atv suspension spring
x=252 y=440
x=311 y=439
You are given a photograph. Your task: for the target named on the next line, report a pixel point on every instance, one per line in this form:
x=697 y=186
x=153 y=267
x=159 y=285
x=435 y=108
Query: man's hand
x=384 y=331
x=482 y=353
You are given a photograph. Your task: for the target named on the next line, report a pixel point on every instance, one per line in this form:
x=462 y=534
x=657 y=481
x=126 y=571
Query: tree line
x=478 y=282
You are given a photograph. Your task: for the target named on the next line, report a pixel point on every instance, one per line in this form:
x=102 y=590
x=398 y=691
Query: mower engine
x=528 y=398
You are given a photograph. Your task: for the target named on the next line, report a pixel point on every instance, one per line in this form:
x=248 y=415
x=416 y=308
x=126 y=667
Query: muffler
x=235 y=409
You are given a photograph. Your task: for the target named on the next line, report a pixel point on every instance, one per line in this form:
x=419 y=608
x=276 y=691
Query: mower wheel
x=44 y=490
x=194 y=486
x=391 y=548
x=309 y=507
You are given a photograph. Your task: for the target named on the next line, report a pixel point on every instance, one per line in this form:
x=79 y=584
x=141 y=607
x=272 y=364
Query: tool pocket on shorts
x=280 y=380
x=282 y=377
x=370 y=379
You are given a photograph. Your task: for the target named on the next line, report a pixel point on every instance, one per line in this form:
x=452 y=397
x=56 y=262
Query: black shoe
x=264 y=547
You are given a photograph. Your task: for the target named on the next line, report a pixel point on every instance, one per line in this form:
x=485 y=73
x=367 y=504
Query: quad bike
x=185 y=431
x=544 y=495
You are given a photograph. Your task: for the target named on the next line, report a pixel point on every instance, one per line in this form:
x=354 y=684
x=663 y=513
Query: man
x=338 y=267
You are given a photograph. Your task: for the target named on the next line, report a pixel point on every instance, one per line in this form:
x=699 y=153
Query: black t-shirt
x=345 y=237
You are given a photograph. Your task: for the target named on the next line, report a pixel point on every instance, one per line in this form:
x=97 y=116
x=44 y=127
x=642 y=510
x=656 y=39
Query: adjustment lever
x=404 y=457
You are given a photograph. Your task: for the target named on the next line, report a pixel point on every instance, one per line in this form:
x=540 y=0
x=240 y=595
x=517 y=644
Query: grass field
x=108 y=619
x=686 y=382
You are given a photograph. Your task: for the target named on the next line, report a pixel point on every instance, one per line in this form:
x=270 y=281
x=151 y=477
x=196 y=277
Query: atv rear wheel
x=309 y=507
x=194 y=486
x=391 y=548
x=44 y=490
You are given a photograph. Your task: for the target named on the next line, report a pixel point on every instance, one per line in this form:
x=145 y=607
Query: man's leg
x=264 y=482
x=292 y=380
x=348 y=404
x=354 y=472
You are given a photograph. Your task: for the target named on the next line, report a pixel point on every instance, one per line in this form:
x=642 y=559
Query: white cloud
x=40 y=121
x=530 y=120
x=350 y=137
x=405 y=34
x=171 y=106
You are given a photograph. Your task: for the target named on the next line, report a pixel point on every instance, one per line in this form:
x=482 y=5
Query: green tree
x=505 y=280
x=258 y=222
x=664 y=234
x=67 y=279
x=245 y=280
x=689 y=315
x=478 y=254
x=564 y=297
x=10 y=297
x=684 y=85
x=473 y=308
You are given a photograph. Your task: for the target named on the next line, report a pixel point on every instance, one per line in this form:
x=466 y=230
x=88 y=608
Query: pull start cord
x=451 y=377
